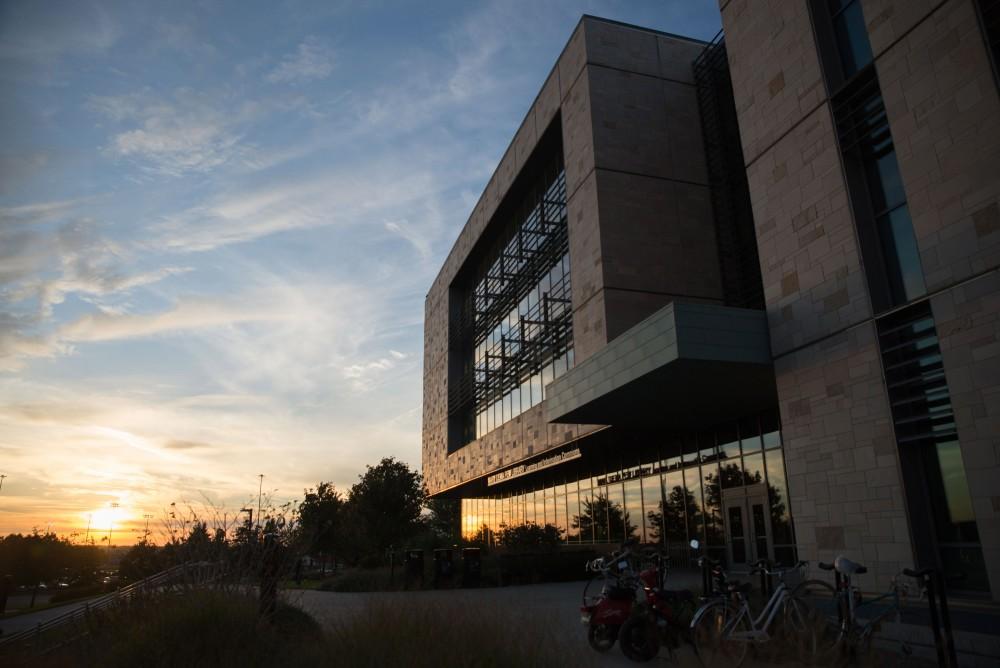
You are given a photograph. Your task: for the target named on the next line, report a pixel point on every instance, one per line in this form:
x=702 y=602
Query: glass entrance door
x=748 y=524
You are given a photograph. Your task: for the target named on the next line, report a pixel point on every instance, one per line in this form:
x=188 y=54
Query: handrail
x=99 y=603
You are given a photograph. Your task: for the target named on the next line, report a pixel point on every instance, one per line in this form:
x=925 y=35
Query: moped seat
x=848 y=567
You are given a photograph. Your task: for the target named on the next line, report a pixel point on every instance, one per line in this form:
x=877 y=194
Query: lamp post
x=111 y=522
x=2 y=476
x=86 y=538
x=145 y=535
x=260 y=489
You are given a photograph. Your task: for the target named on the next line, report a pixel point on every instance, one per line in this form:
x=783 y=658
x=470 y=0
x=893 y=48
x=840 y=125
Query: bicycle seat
x=848 y=567
x=825 y=566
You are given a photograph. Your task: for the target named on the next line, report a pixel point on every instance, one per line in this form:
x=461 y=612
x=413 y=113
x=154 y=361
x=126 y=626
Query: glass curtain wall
x=516 y=326
x=665 y=499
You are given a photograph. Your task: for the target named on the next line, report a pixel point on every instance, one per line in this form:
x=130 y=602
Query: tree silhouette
x=605 y=518
x=674 y=512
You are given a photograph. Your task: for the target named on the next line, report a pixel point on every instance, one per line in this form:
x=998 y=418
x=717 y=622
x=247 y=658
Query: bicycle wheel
x=814 y=614
x=712 y=635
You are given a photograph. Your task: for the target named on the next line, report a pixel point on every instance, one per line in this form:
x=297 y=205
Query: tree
x=321 y=519
x=445 y=519
x=529 y=535
x=601 y=513
x=142 y=560
x=386 y=503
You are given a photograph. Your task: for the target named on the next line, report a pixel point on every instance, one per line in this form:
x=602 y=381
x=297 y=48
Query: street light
x=111 y=522
x=2 y=476
x=145 y=535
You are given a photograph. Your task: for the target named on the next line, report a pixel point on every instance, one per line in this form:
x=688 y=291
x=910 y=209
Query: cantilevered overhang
x=685 y=366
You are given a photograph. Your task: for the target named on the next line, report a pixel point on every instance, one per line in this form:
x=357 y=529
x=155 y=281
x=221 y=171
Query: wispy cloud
x=183 y=316
x=312 y=60
x=187 y=132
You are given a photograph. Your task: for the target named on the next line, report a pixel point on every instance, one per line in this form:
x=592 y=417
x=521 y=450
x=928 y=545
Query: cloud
x=312 y=60
x=185 y=445
x=189 y=132
x=187 y=315
x=350 y=195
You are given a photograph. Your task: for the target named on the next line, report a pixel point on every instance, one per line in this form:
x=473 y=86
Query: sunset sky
x=218 y=222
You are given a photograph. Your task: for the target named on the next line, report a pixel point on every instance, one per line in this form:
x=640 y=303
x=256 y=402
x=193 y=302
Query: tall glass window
x=633 y=508
x=515 y=326
x=852 y=37
x=689 y=490
x=652 y=509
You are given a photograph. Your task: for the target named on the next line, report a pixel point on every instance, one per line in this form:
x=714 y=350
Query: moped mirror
x=695 y=544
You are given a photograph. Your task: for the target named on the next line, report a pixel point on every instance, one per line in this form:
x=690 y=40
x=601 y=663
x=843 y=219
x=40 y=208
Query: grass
x=206 y=629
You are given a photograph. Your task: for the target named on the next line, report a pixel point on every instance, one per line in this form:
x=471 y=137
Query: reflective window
x=676 y=508
x=573 y=513
x=852 y=36
x=633 y=508
x=652 y=512
x=663 y=500
x=750 y=435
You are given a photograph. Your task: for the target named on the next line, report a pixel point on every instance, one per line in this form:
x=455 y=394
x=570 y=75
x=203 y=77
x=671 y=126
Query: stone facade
x=636 y=183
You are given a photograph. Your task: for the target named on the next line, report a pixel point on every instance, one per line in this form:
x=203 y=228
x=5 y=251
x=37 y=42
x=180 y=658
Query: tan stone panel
x=630 y=125
x=840 y=460
x=524 y=141
x=586 y=271
x=548 y=102
x=572 y=60
x=888 y=20
x=774 y=67
x=657 y=236
x=813 y=283
x=676 y=56
x=589 y=327
x=505 y=173
x=578 y=134
x=621 y=47
x=944 y=113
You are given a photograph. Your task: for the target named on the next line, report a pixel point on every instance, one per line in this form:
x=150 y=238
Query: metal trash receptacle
x=414 y=561
x=472 y=567
x=444 y=568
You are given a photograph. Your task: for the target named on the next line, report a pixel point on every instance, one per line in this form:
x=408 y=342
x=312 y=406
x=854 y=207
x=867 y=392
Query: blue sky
x=218 y=222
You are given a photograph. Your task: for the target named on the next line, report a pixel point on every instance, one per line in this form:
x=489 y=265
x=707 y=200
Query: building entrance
x=748 y=524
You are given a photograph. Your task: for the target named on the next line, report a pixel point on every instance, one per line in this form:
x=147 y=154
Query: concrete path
x=29 y=620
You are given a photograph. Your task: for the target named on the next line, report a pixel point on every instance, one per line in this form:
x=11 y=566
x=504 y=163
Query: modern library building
x=745 y=291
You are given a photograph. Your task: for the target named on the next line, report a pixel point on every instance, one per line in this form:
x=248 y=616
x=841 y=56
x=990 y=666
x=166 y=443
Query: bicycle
x=840 y=636
x=723 y=628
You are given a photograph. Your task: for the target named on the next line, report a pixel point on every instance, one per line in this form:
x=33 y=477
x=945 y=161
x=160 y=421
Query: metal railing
x=37 y=639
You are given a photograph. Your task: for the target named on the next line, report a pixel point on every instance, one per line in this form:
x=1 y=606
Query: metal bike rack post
x=949 y=638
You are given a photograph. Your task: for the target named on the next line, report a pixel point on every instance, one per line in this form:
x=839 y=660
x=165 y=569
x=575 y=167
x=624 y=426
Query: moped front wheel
x=639 y=638
x=602 y=636
x=712 y=633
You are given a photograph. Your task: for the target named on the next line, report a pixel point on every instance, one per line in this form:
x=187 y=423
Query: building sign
x=538 y=465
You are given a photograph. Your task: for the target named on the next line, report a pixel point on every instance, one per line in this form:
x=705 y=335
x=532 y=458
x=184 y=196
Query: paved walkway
x=29 y=620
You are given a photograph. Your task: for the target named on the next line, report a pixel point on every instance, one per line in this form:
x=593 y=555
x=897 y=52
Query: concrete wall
x=640 y=226
x=944 y=113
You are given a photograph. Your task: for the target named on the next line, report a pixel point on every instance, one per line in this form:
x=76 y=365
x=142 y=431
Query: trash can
x=414 y=567
x=472 y=567
x=443 y=567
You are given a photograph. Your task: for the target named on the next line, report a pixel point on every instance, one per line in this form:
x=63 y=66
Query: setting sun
x=107 y=518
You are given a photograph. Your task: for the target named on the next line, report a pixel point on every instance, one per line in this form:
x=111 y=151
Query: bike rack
x=933 y=583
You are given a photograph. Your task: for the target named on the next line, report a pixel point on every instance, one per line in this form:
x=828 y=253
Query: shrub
x=199 y=628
